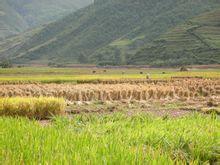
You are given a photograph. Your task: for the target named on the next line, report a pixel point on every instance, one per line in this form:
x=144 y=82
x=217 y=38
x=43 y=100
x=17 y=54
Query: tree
x=6 y=64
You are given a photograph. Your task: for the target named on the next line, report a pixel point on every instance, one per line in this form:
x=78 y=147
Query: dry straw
x=179 y=89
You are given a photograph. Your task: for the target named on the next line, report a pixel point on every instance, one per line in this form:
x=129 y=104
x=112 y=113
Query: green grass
x=39 y=108
x=121 y=42
x=62 y=75
x=111 y=139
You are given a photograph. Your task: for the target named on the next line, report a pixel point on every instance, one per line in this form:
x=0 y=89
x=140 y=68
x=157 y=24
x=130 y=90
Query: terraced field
x=196 y=41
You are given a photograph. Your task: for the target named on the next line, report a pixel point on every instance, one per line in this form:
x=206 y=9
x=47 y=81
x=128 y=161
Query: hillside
x=106 y=32
x=10 y=21
x=19 y=15
x=195 y=42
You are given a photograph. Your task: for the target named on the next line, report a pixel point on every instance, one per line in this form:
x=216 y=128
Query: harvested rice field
x=110 y=116
x=176 y=89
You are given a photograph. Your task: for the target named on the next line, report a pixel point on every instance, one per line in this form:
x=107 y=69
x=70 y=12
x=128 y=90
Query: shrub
x=39 y=108
x=183 y=69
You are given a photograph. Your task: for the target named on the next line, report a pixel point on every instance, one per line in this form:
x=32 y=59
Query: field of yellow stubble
x=178 y=89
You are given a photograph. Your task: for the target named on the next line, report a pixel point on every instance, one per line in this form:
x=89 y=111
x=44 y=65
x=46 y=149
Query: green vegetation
x=17 y=16
x=107 y=32
x=74 y=75
x=9 y=45
x=195 y=42
x=6 y=64
x=38 y=108
x=111 y=139
x=10 y=21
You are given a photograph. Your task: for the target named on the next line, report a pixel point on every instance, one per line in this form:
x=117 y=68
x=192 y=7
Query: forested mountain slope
x=107 y=32
x=18 y=15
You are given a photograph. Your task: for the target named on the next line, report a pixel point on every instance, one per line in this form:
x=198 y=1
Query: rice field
x=111 y=139
x=109 y=116
x=74 y=75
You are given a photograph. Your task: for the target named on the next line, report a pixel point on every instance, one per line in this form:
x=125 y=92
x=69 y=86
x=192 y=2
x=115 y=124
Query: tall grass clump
x=39 y=108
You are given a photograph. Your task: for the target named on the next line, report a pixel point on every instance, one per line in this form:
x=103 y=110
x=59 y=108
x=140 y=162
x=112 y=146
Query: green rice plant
x=111 y=139
x=39 y=108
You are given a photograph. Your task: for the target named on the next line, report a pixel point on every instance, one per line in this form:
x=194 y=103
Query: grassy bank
x=111 y=139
